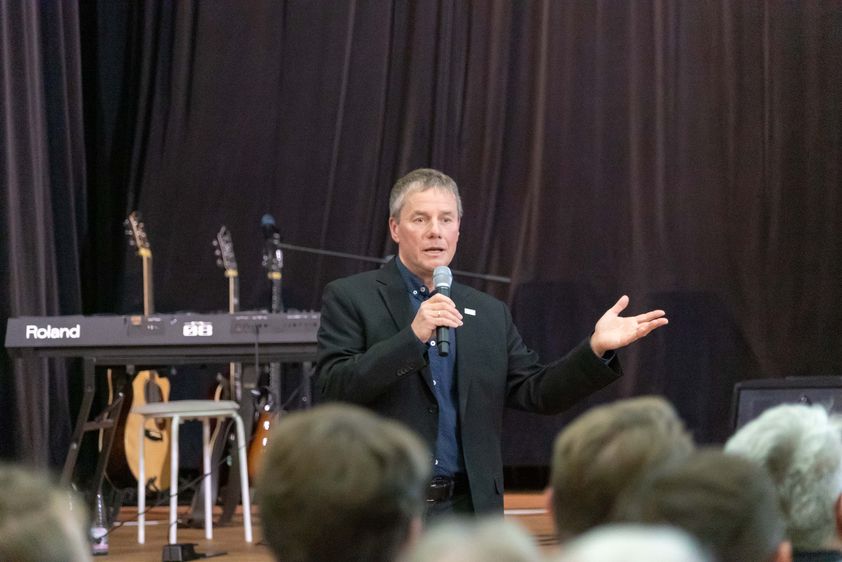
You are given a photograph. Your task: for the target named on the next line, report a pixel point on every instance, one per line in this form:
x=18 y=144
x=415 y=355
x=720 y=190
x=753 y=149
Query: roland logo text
x=52 y=332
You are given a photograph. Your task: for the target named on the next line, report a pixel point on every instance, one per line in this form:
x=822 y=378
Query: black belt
x=443 y=488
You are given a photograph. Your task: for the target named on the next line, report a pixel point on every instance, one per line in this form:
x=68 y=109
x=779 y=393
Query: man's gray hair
x=39 y=520
x=634 y=543
x=421 y=179
x=801 y=448
x=477 y=540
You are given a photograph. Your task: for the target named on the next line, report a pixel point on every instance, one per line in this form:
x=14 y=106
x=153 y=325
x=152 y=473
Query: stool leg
x=141 y=485
x=244 y=476
x=206 y=467
x=176 y=422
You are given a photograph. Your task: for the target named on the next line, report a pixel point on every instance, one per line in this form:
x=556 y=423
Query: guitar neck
x=277 y=300
x=235 y=380
x=233 y=293
x=148 y=297
x=275 y=368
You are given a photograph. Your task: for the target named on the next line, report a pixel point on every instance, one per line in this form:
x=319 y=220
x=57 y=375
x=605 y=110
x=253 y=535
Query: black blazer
x=369 y=355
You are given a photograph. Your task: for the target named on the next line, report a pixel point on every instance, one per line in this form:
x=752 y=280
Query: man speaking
x=378 y=347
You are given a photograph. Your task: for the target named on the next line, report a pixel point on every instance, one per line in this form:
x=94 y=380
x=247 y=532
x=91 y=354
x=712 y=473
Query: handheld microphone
x=442 y=279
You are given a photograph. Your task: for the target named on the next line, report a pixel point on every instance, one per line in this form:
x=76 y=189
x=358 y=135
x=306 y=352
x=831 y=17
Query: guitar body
x=119 y=473
x=148 y=387
x=259 y=441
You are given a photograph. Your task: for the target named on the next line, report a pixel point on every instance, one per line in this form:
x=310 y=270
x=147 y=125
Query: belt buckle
x=440 y=489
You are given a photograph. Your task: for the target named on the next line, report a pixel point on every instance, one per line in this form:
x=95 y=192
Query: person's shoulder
x=480 y=297
x=355 y=280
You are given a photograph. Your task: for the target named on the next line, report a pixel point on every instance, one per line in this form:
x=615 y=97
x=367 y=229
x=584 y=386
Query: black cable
x=165 y=499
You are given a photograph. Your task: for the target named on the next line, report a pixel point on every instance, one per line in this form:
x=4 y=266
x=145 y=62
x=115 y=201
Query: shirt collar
x=414 y=285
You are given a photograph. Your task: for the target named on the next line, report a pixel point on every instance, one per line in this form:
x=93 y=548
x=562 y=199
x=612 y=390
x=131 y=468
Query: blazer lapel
x=393 y=292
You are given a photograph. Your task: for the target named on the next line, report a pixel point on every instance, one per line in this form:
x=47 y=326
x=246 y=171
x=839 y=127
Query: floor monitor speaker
x=752 y=398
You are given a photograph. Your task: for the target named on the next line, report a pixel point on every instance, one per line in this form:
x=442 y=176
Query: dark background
x=686 y=153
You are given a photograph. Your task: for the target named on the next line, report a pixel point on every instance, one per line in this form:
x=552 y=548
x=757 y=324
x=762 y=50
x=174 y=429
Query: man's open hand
x=613 y=331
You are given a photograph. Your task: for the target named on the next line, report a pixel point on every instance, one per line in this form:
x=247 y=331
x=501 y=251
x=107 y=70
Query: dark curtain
x=686 y=153
x=43 y=210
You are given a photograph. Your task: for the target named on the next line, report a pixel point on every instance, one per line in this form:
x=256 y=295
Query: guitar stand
x=230 y=496
x=106 y=420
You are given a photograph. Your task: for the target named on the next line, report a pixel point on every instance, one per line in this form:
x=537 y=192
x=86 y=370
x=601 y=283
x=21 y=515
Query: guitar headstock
x=137 y=235
x=225 y=252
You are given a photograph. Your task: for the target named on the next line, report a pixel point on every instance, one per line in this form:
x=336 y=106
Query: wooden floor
x=527 y=509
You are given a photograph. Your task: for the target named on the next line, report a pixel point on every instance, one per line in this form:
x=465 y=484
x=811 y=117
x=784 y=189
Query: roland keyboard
x=167 y=334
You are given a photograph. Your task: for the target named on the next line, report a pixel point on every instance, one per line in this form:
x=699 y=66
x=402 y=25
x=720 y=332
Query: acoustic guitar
x=147 y=387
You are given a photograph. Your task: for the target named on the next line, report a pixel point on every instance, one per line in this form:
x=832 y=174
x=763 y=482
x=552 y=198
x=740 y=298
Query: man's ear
x=393 y=230
x=416 y=527
x=784 y=552
x=548 y=499
x=837 y=511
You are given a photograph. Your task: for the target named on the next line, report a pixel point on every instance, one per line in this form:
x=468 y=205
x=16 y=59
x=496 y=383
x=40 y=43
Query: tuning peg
x=132 y=243
x=219 y=263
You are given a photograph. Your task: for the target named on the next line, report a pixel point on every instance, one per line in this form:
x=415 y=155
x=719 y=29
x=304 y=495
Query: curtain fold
x=44 y=213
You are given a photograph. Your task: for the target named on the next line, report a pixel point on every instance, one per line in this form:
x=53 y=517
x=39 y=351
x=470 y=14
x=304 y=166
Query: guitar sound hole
x=153 y=393
x=153 y=435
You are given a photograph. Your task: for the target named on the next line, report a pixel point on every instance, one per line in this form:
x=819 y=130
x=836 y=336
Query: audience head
x=478 y=540
x=341 y=483
x=37 y=523
x=606 y=450
x=634 y=543
x=801 y=448
x=726 y=502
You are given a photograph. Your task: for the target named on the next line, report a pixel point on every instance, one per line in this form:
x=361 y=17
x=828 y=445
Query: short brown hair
x=727 y=502
x=340 y=483
x=607 y=449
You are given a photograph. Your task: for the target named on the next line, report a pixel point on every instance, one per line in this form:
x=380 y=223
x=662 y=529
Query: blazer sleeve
x=350 y=366
x=552 y=388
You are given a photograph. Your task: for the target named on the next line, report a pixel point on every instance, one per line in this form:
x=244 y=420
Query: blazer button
x=433 y=409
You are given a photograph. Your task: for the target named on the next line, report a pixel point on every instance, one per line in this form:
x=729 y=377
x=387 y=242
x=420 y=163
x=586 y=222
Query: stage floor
x=526 y=509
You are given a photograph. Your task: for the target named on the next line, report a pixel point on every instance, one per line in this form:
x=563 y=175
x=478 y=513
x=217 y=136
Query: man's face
x=427 y=232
